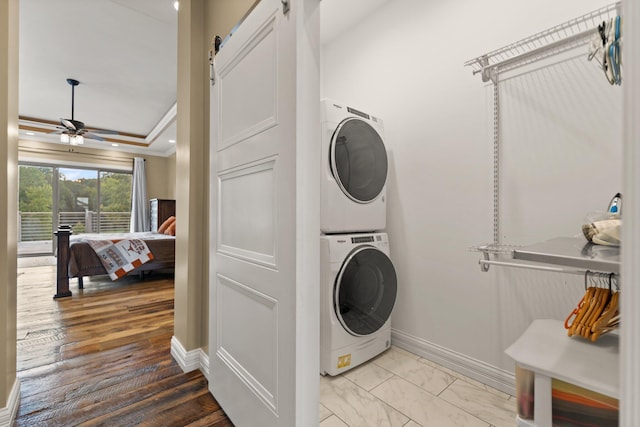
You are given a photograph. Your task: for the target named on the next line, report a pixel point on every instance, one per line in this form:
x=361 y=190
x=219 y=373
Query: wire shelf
x=555 y=40
x=495 y=249
x=560 y=254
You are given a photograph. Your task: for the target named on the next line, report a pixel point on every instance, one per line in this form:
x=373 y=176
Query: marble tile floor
x=398 y=388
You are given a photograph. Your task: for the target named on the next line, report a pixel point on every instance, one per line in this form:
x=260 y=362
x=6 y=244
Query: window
x=90 y=200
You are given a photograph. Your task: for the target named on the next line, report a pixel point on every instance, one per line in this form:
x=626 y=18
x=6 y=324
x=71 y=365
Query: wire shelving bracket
x=492 y=249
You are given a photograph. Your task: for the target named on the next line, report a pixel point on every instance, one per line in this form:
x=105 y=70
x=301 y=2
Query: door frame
x=629 y=348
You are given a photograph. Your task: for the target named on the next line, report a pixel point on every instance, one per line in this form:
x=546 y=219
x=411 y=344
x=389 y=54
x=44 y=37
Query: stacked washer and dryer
x=357 y=278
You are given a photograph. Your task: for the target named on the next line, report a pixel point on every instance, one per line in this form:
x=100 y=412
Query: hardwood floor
x=102 y=357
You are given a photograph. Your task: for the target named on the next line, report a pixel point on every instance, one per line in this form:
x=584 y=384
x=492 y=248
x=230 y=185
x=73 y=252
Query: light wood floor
x=102 y=357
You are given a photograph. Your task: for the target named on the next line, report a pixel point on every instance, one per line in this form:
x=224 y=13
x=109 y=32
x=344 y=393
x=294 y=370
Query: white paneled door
x=256 y=214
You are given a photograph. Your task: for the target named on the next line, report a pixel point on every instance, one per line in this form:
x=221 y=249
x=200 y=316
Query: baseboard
x=189 y=360
x=480 y=371
x=8 y=413
x=204 y=363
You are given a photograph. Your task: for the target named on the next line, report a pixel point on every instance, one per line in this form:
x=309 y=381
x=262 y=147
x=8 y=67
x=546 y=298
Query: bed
x=76 y=257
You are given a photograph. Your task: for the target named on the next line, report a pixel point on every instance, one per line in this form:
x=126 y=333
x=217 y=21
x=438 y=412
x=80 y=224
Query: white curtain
x=139 y=202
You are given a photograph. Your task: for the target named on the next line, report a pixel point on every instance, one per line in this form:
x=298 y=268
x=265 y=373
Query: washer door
x=365 y=291
x=358 y=160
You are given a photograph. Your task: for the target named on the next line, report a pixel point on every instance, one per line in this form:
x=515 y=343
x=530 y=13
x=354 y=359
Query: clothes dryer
x=354 y=171
x=357 y=295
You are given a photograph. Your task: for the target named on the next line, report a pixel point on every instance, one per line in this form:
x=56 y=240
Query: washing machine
x=354 y=170
x=357 y=295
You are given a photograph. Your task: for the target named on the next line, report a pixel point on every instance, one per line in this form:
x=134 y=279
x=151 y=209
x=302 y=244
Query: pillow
x=166 y=224
x=171 y=230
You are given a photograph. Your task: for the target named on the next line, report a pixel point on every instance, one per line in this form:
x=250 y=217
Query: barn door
x=257 y=258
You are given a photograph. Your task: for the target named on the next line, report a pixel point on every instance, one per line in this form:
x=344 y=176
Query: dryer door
x=365 y=291
x=358 y=160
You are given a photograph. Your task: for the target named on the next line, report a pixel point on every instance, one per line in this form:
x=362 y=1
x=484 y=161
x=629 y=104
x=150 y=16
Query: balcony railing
x=38 y=226
x=34 y=226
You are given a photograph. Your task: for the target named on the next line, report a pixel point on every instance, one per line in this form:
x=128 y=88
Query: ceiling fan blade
x=68 y=124
x=104 y=131
x=92 y=136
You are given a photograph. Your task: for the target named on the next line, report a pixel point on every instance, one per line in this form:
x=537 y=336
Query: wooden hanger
x=603 y=331
x=601 y=303
x=598 y=311
x=609 y=319
x=593 y=302
x=575 y=312
x=580 y=311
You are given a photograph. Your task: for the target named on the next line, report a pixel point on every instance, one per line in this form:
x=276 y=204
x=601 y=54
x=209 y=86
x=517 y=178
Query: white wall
x=404 y=63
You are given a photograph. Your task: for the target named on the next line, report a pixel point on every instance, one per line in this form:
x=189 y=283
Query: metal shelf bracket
x=484 y=266
x=488 y=73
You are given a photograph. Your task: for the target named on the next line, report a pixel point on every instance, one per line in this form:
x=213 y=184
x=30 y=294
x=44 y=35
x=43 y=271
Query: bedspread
x=85 y=262
x=120 y=256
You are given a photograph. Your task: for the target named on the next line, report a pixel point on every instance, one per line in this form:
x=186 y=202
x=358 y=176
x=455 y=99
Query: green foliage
x=36 y=199
x=78 y=228
x=71 y=192
x=115 y=192
x=35 y=175
x=35 y=192
x=76 y=196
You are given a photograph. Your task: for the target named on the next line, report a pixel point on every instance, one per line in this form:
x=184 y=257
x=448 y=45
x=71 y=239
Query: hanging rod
x=485 y=264
x=561 y=254
x=553 y=41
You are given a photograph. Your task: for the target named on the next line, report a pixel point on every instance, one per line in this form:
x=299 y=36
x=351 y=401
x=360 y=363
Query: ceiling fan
x=74 y=131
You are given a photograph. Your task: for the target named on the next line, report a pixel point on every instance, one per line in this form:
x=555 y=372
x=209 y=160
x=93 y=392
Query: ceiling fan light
x=77 y=140
x=64 y=138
